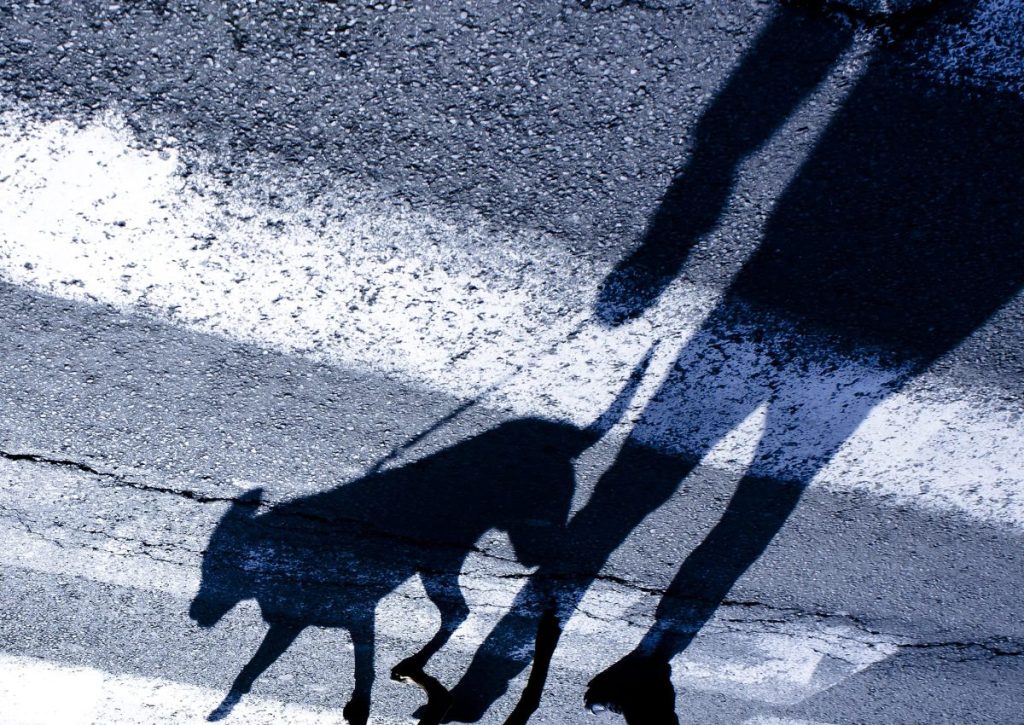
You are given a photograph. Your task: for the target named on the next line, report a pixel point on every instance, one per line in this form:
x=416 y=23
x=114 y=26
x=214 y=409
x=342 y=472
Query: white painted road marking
x=780 y=721
x=781 y=663
x=363 y=282
x=35 y=692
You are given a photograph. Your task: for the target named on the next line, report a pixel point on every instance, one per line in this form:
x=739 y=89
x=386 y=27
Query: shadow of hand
x=631 y=288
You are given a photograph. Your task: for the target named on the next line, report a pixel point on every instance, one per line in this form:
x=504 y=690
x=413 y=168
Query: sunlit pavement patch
x=35 y=692
x=769 y=656
x=779 y=721
x=361 y=281
x=781 y=666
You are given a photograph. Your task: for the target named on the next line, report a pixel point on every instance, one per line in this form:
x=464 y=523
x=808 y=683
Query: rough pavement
x=262 y=244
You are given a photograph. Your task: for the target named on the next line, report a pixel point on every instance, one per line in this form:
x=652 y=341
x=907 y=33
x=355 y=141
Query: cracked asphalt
x=937 y=593
x=130 y=430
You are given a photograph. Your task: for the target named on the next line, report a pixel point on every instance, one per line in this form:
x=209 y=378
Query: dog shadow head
x=222 y=585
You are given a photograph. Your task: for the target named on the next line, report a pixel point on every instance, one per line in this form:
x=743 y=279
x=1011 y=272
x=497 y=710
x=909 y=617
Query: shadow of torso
x=904 y=230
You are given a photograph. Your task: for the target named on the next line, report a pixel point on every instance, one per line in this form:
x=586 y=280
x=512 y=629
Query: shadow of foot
x=357 y=711
x=226 y=706
x=638 y=688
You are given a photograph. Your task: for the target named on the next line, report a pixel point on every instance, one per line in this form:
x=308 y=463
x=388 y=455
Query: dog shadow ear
x=245 y=506
x=253 y=497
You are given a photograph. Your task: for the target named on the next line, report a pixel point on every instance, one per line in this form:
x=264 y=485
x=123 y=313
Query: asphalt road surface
x=660 y=357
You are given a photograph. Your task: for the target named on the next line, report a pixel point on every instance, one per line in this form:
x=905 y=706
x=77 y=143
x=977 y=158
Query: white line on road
x=36 y=692
x=780 y=721
x=760 y=659
x=356 y=280
x=775 y=663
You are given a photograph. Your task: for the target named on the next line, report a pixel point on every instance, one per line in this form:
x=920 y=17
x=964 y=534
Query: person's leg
x=809 y=413
x=637 y=483
x=791 y=57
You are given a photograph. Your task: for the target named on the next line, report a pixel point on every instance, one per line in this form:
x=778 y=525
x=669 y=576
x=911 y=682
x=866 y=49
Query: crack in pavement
x=23 y=521
x=997 y=647
x=116 y=478
x=47 y=460
x=199 y=497
x=783 y=615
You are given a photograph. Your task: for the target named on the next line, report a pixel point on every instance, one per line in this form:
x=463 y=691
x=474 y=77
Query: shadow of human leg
x=688 y=407
x=791 y=57
x=800 y=415
x=619 y=503
x=639 y=686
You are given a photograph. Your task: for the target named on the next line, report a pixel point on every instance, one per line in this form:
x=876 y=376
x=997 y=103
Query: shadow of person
x=899 y=237
x=790 y=58
x=328 y=559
